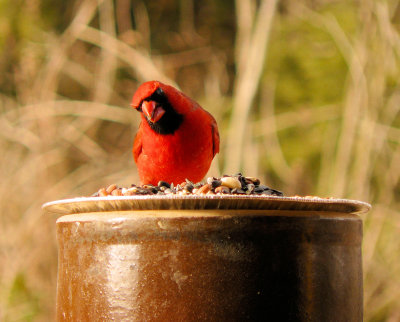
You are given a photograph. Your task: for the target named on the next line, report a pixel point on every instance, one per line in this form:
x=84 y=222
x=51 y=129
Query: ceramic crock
x=209 y=259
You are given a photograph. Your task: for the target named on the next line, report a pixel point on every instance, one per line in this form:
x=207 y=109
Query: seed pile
x=234 y=185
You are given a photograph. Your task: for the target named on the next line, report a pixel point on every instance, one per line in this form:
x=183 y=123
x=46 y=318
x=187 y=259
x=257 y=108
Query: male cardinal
x=177 y=138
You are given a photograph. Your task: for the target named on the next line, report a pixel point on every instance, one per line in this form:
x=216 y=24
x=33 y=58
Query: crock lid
x=203 y=202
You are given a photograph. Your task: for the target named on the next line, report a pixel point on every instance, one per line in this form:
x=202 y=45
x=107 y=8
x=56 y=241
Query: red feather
x=187 y=152
x=137 y=146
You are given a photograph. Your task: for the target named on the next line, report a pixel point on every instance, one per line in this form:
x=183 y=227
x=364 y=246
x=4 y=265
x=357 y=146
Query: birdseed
x=227 y=184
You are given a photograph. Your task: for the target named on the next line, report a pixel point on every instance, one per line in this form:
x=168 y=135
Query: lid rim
x=206 y=202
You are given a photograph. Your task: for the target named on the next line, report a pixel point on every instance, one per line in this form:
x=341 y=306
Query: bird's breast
x=188 y=147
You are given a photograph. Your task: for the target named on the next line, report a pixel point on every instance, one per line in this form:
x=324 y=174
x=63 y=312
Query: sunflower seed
x=116 y=192
x=204 y=189
x=111 y=188
x=222 y=189
x=227 y=184
x=103 y=192
x=253 y=180
x=250 y=188
x=231 y=182
x=163 y=184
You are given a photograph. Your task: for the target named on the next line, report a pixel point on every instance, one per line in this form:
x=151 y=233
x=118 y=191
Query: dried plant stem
x=47 y=84
x=141 y=63
x=108 y=61
x=252 y=42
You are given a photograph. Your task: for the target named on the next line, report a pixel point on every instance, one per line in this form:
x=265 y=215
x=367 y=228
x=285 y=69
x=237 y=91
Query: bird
x=177 y=139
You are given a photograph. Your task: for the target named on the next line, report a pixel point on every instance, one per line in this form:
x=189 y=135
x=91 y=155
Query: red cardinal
x=176 y=140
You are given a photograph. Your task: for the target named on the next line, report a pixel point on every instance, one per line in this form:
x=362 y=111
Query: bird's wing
x=215 y=136
x=137 y=145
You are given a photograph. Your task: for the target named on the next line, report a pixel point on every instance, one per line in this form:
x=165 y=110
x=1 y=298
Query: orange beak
x=152 y=111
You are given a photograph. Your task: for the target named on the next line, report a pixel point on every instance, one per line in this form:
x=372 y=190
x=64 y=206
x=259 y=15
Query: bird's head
x=158 y=104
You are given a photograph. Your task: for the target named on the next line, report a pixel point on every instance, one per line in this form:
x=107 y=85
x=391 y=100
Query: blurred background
x=306 y=95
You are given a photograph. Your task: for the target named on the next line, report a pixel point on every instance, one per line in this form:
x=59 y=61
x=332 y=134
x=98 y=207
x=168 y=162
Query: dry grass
x=67 y=128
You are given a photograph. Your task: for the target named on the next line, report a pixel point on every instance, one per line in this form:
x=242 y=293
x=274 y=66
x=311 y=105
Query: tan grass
x=56 y=144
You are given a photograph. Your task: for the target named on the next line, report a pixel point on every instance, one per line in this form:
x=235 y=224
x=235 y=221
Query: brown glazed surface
x=205 y=265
